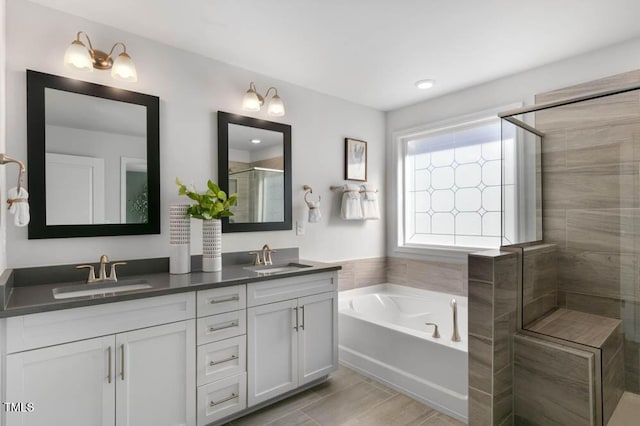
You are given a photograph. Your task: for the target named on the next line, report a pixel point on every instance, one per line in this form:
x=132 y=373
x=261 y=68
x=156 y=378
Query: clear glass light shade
x=77 y=56
x=124 y=69
x=250 y=101
x=276 y=107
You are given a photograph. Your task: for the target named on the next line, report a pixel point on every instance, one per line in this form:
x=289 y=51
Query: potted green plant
x=210 y=206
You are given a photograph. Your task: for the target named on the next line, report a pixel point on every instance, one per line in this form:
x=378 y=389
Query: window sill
x=436 y=253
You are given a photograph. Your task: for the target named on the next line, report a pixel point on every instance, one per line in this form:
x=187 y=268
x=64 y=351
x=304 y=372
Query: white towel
x=370 y=209
x=351 y=207
x=314 y=211
x=19 y=206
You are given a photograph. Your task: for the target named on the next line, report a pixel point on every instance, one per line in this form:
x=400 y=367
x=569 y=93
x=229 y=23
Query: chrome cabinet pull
x=214 y=403
x=109 y=367
x=228 y=299
x=122 y=362
x=212 y=329
x=231 y=358
x=295 y=327
x=302 y=325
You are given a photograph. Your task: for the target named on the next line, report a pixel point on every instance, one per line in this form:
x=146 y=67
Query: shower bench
x=572 y=373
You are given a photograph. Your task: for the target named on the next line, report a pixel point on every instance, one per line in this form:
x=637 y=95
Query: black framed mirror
x=93 y=159
x=254 y=161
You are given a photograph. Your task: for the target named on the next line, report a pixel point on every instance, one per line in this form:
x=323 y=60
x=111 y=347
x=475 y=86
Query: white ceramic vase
x=212 y=245
x=180 y=239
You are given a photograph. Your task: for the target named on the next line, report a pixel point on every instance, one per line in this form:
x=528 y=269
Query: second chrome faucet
x=104 y=260
x=266 y=256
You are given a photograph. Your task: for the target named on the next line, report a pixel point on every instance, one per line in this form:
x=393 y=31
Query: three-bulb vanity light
x=79 y=56
x=253 y=101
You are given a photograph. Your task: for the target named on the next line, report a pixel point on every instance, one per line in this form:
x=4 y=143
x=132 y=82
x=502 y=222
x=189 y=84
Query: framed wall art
x=355 y=159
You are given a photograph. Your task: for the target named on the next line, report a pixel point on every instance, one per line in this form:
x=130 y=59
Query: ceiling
x=373 y=51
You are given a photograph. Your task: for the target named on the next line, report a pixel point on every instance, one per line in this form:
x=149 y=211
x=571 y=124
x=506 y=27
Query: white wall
x=191 y=89
x=3 y=187
x=517 y=88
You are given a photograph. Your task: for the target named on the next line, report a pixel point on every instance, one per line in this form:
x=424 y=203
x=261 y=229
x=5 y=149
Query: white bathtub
x=383 y=336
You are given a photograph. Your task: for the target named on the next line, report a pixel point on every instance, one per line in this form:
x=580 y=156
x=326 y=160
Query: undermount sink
x=277 y=269
x=109 y=287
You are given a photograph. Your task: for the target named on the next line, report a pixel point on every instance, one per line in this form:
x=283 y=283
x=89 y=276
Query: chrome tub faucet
x=456 y=335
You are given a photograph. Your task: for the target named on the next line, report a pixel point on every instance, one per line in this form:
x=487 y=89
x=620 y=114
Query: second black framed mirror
x=254 y=161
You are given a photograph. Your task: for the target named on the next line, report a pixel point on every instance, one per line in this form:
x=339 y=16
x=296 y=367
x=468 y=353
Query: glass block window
x=452 y=186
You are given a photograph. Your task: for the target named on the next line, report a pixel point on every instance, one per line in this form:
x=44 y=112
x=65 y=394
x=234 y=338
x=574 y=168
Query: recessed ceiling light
x=255 y=141
x=425 y=84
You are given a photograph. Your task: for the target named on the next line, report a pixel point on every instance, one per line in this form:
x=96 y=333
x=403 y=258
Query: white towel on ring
x=20 y=207
x=351 y=207
x=314 y=211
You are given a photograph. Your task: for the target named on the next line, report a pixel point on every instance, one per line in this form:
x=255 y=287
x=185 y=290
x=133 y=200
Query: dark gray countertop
x=29 y=299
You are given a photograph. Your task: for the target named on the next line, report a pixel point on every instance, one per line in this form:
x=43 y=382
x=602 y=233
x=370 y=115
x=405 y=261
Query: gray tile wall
x=591 y=204
x=428 y=275
x=493 y=280
x=539 y=281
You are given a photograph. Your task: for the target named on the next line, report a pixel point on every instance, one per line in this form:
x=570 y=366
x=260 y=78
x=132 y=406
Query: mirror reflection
x=256 y=174
x=95 y=160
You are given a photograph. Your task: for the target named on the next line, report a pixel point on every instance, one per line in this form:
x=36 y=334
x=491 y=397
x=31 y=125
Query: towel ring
x=308 y=190
x=5 y=159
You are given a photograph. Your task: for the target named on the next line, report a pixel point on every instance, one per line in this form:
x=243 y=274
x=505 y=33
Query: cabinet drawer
x=220 y=300
x=222 y=359
x=260 y=293
x=221 y=399
x=220 y=327
x=32 y=331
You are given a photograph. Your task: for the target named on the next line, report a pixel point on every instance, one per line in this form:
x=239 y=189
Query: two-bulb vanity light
x=253 y=101
x=83 y=58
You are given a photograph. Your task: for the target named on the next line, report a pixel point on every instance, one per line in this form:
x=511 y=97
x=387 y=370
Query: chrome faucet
x=456 y=334
x=104 y=260
x=266 y=254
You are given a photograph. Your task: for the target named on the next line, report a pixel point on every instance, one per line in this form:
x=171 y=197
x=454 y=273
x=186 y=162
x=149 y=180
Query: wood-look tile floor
x=627 y=411
x=348 y=399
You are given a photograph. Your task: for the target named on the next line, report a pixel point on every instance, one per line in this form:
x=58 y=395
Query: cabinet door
x=318 y=346
x=71 y=384
x=155 y=383
x=272 y=349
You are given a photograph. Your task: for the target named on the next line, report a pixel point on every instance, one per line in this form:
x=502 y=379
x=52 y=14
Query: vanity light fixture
x=253 y=101
x=79 y=56
x=425 y=84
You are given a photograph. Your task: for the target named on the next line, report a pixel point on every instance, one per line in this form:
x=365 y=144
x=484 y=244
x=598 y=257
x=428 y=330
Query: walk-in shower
x=571 y=209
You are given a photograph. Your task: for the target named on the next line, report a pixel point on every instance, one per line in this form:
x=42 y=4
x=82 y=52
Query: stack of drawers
x=221 y=352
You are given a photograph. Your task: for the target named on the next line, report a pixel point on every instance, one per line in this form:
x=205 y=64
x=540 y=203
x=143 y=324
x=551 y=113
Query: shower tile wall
x=539 y=281
x=591 y=204
x=493 y=280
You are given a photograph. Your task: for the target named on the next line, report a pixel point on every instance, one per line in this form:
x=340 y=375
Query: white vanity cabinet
x=292 y=336
x=137 y=374
x=67 y=384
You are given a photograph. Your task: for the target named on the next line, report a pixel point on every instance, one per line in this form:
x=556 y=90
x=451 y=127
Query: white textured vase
x=212 y=245
x=180 y=239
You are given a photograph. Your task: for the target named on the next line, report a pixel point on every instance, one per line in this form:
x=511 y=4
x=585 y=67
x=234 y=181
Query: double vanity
x=194 y=349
